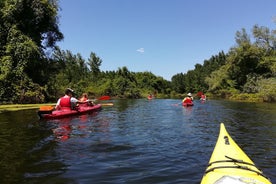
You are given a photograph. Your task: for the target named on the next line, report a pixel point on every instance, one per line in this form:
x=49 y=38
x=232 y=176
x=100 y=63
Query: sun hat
x=69 y=90
x=189 y=94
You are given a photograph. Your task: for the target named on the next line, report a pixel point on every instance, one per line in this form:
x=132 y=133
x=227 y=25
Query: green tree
x=220 y=80
x=178 y=83
x=265 y=38
x=94 y=62
x=125 y=83
x=71 y=71
x=242 y=37
x=28 y=28
x=194 y=80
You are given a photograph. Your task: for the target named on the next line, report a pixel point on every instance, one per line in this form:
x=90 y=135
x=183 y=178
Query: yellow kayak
x=229 y=164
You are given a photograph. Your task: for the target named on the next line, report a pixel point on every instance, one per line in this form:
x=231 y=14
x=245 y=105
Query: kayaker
x=203 y=97
x=84 y=99
x=188 y=99
x=67 y=102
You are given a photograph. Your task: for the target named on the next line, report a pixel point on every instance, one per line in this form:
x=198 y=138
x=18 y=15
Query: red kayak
x=187 y=104
x=82 y=109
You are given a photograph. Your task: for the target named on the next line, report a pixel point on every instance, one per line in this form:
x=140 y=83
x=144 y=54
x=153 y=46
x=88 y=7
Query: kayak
x=230 y=164
x=82 y=109
x=186 y=104
x=150 y=97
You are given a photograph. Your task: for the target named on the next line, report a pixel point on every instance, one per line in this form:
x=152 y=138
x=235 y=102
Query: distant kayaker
x=67 y=102
x=150 y=96
x=188 y=99
x=203 y=97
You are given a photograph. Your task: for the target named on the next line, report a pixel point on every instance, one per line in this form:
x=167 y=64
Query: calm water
x=134 y=141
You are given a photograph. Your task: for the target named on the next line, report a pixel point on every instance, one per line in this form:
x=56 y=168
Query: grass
x=17 y=107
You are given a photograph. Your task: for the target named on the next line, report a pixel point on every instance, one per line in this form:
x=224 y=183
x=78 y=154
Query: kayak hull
x=65 y=113
x=229 y=164
x=187 y=104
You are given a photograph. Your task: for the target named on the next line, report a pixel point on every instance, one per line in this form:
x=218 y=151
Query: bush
x=267 y=89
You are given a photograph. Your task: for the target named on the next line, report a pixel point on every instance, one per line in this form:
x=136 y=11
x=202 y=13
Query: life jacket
x=65 y=102
x=187 y=100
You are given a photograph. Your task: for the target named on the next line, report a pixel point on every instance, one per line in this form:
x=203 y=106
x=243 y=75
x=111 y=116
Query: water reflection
x=187 y=110
x=134 y=141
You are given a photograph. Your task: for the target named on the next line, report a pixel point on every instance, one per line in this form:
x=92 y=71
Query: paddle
x=47 y=108
x=104 y=98
x=100 y=98
x=107 y=104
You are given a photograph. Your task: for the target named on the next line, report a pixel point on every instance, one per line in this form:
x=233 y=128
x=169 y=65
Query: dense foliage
x=28 y=29
x=247 y=71
x=33 y=69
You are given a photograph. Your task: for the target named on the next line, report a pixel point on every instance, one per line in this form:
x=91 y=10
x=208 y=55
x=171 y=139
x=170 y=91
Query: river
x=134 y=141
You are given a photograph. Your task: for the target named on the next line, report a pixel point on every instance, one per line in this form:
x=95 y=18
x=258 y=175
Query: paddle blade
x=46 y=108
x=104 y=98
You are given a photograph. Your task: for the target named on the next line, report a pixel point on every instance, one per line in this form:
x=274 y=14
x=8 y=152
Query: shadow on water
x=134 y=141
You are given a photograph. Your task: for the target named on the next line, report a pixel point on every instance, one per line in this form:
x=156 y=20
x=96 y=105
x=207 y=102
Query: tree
x=194 y=80
x=27 y=29
x=219 y=80
x=264 y=37
x=242 y=37
x=94 y=62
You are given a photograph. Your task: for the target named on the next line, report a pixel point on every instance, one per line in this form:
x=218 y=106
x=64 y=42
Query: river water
x=134 y=141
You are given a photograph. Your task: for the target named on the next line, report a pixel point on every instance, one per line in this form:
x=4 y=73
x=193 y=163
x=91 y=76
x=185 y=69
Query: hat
x=69 y=90
x=189 y=94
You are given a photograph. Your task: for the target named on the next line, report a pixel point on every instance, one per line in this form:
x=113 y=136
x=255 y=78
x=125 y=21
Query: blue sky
x=165 y=37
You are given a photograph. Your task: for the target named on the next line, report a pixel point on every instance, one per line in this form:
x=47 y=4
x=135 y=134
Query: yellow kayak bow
x=230 y=164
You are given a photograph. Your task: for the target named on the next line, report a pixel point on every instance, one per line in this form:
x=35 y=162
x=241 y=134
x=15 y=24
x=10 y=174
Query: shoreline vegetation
x=34 y=70
x=254 y=98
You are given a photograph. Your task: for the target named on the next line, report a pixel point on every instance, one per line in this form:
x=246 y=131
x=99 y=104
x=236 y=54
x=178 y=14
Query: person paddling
x=189 y=99
x=84 y=98
x=203 y=97
x=67 y=102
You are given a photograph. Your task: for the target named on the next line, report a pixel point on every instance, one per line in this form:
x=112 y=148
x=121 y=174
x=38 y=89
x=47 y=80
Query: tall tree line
x=248 y=68
x=33 y=69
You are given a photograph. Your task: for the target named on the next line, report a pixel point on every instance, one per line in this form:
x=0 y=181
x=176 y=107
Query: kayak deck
x=230 y=164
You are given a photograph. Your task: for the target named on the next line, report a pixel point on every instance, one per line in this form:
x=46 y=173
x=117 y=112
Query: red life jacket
x=187 y=100
x=65 y=102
